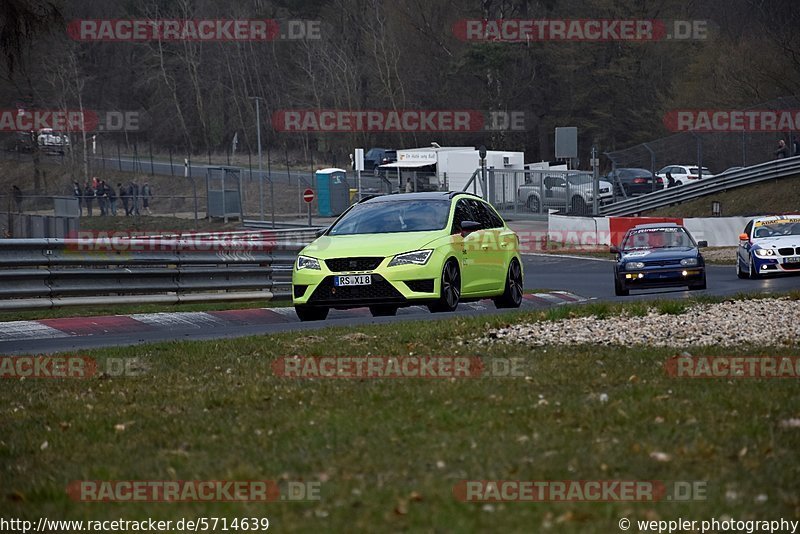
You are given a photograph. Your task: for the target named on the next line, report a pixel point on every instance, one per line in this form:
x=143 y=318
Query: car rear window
x=393 y=216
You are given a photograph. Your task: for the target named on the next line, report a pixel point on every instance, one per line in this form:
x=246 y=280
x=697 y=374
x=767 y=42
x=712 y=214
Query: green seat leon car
x=386 y=252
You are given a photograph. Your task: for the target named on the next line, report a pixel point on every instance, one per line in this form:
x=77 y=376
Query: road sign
x=308 y=195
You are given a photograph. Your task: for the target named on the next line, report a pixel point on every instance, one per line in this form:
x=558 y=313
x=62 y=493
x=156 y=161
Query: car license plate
x=352 y=280
x=792 y=259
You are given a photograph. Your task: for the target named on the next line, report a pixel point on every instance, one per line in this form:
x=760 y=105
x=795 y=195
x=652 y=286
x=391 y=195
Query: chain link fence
x=718 y=151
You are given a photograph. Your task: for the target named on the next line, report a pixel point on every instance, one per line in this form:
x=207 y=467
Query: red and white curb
x=110 y=325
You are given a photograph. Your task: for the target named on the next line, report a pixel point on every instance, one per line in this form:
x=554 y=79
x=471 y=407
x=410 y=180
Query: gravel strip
x=760 y=322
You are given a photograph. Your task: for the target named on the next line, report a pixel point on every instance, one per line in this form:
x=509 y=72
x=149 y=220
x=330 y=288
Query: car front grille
x=788 y=251
x=379 y=290
x=338 y=265
x=662 y=263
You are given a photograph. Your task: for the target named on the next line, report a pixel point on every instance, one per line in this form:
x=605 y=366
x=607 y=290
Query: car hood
x=660 y=254
x=777 y=242
x=365 y=245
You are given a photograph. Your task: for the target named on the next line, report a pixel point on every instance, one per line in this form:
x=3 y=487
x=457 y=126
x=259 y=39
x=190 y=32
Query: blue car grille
x=663 y=263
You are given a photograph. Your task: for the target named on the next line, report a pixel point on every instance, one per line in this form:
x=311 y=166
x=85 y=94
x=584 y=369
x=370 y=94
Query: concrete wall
x=570 y=230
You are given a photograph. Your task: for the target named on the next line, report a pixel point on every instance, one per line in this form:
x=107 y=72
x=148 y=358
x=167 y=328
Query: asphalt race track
x=580 y=280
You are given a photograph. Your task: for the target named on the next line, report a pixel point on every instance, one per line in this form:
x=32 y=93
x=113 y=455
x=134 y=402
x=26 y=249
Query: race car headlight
x=689 y=262
x=634 y=265
x=305 y=262
x=764 y=252
x=418 y=257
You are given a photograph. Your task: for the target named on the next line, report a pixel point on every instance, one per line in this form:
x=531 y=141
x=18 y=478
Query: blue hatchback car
x=658 y=255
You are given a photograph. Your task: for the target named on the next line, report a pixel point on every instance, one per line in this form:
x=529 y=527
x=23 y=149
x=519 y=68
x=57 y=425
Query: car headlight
x=418 y=257
x=634 y=265
x=764 y=252
x=305 y=262
x=689 y=262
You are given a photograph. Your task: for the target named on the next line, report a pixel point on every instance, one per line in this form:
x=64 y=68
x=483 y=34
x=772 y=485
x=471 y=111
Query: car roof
x=426 y=195
x=657 y=225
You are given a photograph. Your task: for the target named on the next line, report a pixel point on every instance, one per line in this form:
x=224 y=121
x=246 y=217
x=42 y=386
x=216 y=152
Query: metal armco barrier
x=772 y=170
x=46 y=273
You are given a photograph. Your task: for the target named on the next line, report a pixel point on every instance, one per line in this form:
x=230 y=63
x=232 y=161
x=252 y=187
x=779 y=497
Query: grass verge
x=388 y=452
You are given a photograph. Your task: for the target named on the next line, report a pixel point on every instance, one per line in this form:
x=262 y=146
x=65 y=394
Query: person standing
x=135 y=197
x=783 y=150
x=88 y=197
x=77 y=192
x=102 y=198
x=17 y=192
x=147 y=193
x=112 y=198
x=123 y=195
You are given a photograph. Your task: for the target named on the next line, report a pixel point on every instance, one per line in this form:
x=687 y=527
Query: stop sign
x=308 y=195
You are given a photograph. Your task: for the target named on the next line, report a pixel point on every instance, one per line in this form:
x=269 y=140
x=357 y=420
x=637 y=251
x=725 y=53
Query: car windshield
x=648 y=238
x=393 y=216
x=778 y=229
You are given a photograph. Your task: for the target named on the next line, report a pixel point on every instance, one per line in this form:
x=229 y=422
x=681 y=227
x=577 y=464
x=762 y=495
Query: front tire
x=754 y=274
x=699 y=286
x=311 y=313
x=512 y=294
x=533 y=205
x=450 y=291
x=739 y=272
x=619 y=290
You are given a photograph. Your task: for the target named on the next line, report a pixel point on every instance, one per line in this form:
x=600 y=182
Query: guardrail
x=771 y=170
x=48 y=273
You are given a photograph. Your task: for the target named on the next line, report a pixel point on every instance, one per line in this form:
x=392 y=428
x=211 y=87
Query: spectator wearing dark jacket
x=112 y=198
x=77 y=192
x=783 y=150
x=123 y=195
x=88 y=197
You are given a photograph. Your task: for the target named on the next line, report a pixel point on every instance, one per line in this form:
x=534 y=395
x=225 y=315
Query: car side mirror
x=743 y=237
x=320 y=232
x=702 y=244
x=613 y=249
x=467 y=227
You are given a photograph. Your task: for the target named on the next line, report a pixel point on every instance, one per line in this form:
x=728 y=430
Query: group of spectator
x=783 y=150
x=132 y=196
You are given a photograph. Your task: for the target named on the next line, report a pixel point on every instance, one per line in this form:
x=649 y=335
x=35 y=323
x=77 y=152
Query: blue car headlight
x=764 y=252
x=634 y=265
x=417 y=257
x=689 y=262
x=306 y=262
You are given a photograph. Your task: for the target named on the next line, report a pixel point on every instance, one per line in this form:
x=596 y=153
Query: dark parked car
x=632 y=181
x=375 y=157
x=658 y=255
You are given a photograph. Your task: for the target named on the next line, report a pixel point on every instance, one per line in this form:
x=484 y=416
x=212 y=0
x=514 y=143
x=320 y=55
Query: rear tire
x=512 y=294
x=311 y=313
x=450 y=290
x=383 y=311
x=619 y=290
x=578 y=206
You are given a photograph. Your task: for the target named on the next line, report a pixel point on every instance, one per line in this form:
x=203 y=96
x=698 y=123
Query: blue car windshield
x=647 y=238
x=393 y=216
